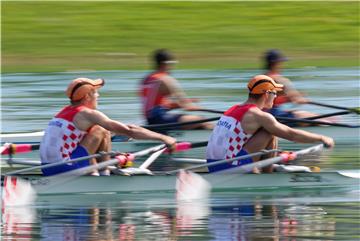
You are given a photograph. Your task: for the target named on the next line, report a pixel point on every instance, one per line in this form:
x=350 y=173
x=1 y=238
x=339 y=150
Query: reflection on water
x=230 y=216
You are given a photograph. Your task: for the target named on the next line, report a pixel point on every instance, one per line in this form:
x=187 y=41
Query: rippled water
x=30 y=100
x=305 y=215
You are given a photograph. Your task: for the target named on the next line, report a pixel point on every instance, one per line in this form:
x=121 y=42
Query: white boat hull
x=219 y=182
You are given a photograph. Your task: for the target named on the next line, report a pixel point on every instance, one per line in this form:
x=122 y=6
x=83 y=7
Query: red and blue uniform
x=61 y=142
x=228 y=139
x=155 y=104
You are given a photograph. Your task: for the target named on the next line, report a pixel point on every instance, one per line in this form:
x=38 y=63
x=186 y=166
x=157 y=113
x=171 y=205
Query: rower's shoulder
x=259 y=114
x=282 y=80
x=88 y=112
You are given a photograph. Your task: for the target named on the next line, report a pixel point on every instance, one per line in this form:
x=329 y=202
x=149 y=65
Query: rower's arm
x=172 y=87
x=95 y=117
x=293 y=94
x=269 y=123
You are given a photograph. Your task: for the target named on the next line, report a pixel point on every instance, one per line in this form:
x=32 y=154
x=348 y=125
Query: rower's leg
x=259 y=141
x=97 y=139
x=187 y=118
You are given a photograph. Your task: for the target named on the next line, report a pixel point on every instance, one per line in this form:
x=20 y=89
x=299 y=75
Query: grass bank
x=65 y=36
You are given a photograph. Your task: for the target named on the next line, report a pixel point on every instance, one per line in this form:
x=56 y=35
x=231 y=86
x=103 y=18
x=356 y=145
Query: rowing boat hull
x=219 y=182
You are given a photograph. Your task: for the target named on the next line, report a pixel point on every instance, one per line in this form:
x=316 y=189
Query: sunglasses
x=272 y=92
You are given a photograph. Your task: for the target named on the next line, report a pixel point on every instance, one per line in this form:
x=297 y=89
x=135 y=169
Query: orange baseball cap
x=259 y=84
x=80 y=87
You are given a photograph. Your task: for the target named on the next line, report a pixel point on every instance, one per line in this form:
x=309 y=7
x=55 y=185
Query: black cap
x=273 y=56
x=162 y=56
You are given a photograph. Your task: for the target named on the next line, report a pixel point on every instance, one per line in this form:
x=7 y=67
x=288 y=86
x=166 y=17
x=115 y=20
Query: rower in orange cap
x=246 y=128
x=79 y=130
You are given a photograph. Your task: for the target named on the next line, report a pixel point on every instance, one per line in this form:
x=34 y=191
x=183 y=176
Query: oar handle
x=184 y=146
x=10 y=149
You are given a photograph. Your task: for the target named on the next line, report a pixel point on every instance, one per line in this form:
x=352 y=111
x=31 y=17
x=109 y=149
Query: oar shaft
x=330 y=106
x=172 y=125
x=179 y=147
x=151 y=159
x=270 y=161
x=60 y=163
x=298 y=120
x=307 y=120
x=328 y=115
x=211 y=111
x=225 y=161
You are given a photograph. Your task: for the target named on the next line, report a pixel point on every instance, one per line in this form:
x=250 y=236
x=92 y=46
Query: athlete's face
x=93 y=99
x=269 y=99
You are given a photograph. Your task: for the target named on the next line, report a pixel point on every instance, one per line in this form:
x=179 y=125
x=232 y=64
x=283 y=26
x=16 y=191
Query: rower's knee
x=99 y=132
x=262 y=139
x=264 y=135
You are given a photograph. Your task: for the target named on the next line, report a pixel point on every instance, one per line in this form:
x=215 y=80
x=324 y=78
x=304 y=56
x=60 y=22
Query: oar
x=111 y=153
x=174 y=125
x=284 y=157
x=298 y=120
x=352 y=109
x=328 y=115
x=191 y=186
x=151 y=159
x=23 y=190
x=9 y=148
x=182 y=146
x=16 y=190
x=211 y=111
x=238 y=158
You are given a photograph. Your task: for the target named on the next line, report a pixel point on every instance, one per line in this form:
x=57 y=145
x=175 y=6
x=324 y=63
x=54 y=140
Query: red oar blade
x=191 y=186
x=17 y=192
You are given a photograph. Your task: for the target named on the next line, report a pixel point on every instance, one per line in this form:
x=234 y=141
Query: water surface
x=30 y=100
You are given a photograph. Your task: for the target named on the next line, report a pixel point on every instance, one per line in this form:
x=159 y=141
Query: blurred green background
x=44 y=36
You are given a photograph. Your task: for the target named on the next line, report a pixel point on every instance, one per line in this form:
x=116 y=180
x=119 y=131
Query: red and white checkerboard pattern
x=71 y=138
x=236 y=141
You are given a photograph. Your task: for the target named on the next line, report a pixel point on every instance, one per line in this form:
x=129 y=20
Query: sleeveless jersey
x=61 y=136
x=228 y=136
x=149 y=92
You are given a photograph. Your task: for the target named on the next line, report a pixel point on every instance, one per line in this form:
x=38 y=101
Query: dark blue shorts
x=279 y=112
x=80 y=151
x=225 y=166
x=161 y=115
